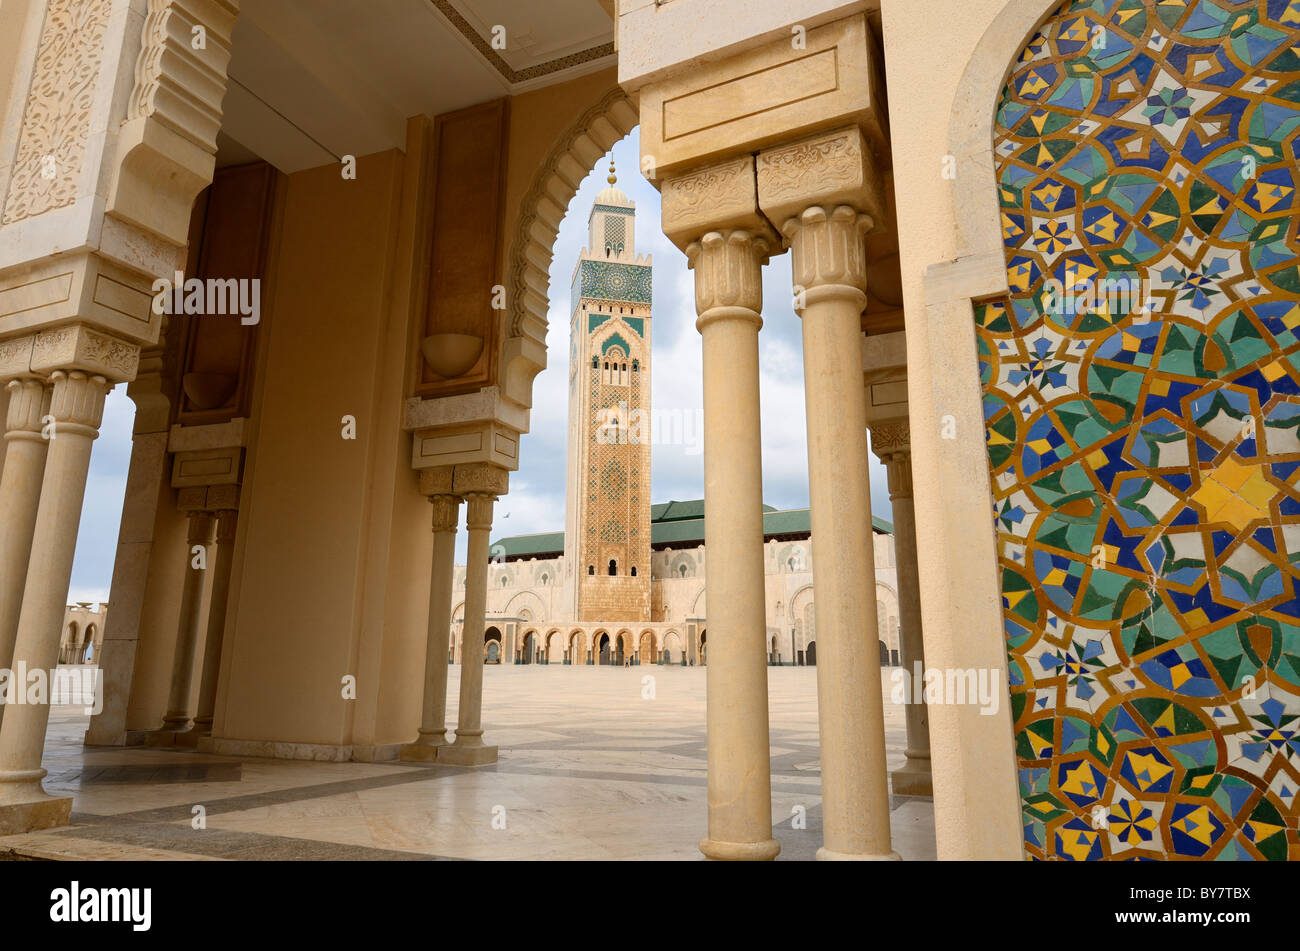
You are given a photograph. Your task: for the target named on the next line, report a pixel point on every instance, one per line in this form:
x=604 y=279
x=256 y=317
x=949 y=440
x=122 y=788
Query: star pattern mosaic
x=1142 y=406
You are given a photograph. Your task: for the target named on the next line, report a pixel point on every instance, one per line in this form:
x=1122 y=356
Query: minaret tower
x=607 y=525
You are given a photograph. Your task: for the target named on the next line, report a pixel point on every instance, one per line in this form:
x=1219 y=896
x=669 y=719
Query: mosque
x=626 y=582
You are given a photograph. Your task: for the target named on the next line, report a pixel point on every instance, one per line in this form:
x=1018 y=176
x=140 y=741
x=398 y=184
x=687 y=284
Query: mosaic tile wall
x=1142 y=433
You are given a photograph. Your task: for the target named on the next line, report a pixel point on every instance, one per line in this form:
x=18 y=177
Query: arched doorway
x=646 y=654
x=810 y=654
x=673 y=648
x=528 y=650
x=492 y=646
x=704 y=647
x=577 y=649
x=602 y=650
x=884 y=654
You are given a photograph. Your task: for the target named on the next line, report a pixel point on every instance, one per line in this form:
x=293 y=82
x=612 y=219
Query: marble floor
x=591 y=767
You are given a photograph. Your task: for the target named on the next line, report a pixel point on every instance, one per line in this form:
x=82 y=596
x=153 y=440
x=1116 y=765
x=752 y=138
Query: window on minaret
x=613 y=567
x=591 y=569
x=634 y=571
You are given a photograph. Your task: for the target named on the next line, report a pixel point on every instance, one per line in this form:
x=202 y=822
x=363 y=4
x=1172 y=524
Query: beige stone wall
x=529 y=595
x=83 y=625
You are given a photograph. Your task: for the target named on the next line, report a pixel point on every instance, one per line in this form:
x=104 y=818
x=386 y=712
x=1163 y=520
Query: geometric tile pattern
x=1142 y=407
x=611 y=280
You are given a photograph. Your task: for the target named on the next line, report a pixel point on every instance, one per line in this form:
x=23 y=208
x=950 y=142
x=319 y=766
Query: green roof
x=528 y=546
x=674 y=524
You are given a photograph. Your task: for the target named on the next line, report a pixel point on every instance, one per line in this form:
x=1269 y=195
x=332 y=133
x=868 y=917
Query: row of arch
x=78 y=644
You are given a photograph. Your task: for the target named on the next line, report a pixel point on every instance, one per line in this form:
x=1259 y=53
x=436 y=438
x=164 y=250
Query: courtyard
x=596 y=763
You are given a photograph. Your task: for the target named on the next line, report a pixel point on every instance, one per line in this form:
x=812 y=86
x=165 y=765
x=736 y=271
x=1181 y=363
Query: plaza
x=591 y=768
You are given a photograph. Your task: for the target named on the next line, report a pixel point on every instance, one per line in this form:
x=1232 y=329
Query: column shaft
x=77 y=406
x=187 y=634
x=829 y=264
x=914 y=778
x=433 y=720
x=20 y=498
x=468 y=749
x=227 y=522
x=729 y=300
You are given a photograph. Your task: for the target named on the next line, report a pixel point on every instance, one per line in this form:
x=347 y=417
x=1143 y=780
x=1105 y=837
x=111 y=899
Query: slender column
x=890 y=441
x=729 y=299
x=187 y=634
x=468 y=748
x=433 y=723
x=20 y=497
x=77 y=408
x=227 y=522
x=830 y=283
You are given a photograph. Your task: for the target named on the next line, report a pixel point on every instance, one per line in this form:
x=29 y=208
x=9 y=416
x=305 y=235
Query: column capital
x=29 y=403
x=227 y=523
x=830 y=255
x=200 y=528
x=892 y=443
x=728 y=270
x=446 y=512
x=77 y=401
x=478 y=510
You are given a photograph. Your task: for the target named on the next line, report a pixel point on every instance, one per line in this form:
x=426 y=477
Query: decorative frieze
x=710 y=199
x=57 y=117
x=85 y=349
x=830 y=169
x=480 y=478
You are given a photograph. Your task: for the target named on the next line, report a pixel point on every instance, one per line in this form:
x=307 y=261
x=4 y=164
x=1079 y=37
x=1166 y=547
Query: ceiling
x=313 y=80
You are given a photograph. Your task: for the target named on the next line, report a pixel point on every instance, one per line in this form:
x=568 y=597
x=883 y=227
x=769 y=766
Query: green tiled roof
x=542 y=545
x=675 y=524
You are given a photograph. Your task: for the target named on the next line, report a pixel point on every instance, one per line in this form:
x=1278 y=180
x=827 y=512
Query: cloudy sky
x=536 y=499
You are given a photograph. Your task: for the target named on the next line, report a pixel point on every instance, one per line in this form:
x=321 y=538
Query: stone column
x=199 y=536
x=891 y=442
x=433 y=722
x=479 y=485
x=712 y=214
x=77 y=407
x=227 y=521
x=20 y=497
x=814 y=190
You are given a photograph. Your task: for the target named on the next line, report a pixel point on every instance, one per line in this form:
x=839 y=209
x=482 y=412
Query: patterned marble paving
x=1142 y=398
x=589 y=770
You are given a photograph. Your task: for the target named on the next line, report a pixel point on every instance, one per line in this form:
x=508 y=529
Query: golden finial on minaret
x=613 y=179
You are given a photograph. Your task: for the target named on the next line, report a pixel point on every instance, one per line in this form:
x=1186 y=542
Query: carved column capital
x=77 y=402
x=446 y=512
x=227 y=523
x=828 y=170
x=201 y=528
x=29 y=403
x=728 y=270
x=830 y=257
x=892 y=443
x=478 y=511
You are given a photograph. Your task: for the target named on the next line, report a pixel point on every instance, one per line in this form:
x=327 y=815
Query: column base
x=720 y=851
x=168 y=736
x=453 y=755
x=33 y=811
x=423 y=750
x=826 y=855
x=914 y=779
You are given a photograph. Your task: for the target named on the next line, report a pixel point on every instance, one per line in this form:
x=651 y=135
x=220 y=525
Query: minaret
x=607 y=524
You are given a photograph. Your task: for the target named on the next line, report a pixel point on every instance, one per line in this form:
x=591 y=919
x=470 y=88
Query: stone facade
x=83 y=633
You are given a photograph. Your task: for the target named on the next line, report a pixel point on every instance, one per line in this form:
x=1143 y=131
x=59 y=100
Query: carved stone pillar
x=227 y=522
x=197 y=542
x=816 y=191
x=479 y=484
x=20 y=496
x=433 y=723
x=77 y=408
x=892 y=443
x=712 y=213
